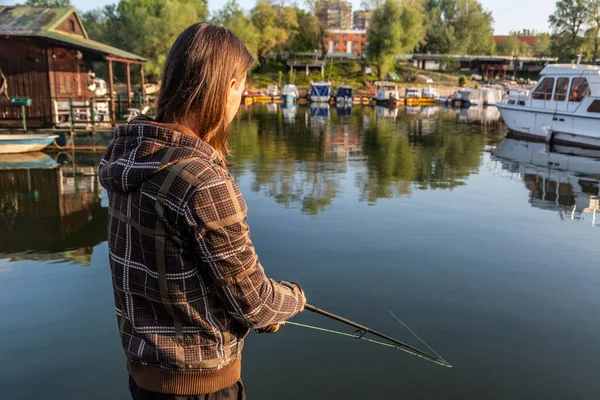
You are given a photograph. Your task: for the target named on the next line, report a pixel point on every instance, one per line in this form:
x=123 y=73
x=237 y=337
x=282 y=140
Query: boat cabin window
x=562 y=87
x=544 y=90
x=594 y=107
x=579 y=90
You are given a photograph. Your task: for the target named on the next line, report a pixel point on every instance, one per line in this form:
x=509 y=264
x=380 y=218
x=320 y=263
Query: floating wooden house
x=46 y=55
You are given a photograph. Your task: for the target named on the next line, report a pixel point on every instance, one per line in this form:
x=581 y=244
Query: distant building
x=335 y=14
x=362 y=19
x=346 y=42
x=489 y=66
x=529 y=40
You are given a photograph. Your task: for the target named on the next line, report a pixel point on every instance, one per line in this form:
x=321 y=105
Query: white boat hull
x=319 y=99
x=555 y=127
x=10 y=144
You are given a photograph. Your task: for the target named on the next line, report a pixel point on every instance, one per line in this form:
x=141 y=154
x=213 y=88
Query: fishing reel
x=273 y=328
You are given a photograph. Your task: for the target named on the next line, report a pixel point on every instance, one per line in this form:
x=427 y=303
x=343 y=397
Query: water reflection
x=392 y=153
x=558 y=181
x=50 y=207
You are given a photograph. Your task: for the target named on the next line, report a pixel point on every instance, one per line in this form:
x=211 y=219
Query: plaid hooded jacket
x=188 y=284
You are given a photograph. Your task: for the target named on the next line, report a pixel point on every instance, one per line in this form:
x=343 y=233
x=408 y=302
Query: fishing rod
x=363 y=330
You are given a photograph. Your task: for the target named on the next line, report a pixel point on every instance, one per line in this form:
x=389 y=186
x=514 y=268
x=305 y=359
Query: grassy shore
x=350 y=73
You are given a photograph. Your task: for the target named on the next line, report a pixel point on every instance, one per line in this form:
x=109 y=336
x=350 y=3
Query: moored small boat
x=289 y=94
x=319 y=92
x=24 y=143
x=468 y=97
x=344 y=95
x=387 y=93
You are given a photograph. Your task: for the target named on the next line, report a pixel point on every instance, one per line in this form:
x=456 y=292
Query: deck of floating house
x=47 y=56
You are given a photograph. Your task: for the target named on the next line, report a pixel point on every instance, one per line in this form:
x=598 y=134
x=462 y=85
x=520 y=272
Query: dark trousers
x=233 y=392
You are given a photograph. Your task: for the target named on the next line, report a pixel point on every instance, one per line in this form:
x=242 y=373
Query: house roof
x=530 y=40
x=42 y=22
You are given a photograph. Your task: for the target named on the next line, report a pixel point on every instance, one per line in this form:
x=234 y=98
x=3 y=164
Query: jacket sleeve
x=217 y=214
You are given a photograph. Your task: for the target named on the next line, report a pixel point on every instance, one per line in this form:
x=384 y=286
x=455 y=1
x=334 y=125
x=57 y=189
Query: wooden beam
x=111 y=88
x=123 y=60
x=128 y=72
x=142 y=81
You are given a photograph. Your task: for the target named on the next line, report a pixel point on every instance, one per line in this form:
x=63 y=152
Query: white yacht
x=563 y=108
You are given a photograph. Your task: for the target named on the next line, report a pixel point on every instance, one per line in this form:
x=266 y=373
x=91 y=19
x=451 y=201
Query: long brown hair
x=196 y=77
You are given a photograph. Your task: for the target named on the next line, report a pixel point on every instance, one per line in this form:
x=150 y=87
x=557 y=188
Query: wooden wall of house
x=24 y=62
x=43 y=72
x=68 y=75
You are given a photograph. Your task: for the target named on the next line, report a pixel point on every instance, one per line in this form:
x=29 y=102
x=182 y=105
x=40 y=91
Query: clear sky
x=508 y=14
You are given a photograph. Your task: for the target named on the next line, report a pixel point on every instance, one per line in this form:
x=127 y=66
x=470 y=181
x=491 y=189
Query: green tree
x=234 y=18
x=275 y=23
x=308 y=36
x=146 y=27
x=396 y=29
x=509 y=46
x=542 y=47
x=593 y=33
x=567 y=23
x=48 y=3
x=458 y=26
x=319 y=10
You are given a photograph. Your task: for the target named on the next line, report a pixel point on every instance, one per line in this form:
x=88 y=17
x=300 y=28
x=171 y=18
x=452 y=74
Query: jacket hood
x=144 y=147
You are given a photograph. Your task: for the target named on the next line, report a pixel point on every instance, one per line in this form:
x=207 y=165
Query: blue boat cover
x=320 y=90
x=319 y=111
x=344 y=92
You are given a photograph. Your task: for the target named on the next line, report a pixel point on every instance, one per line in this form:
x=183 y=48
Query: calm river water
x=492 y=258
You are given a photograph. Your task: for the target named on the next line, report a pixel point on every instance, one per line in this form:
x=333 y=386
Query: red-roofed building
x=530 y=40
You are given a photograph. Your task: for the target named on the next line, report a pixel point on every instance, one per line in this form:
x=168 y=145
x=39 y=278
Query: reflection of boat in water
x=289 y=112
x=272 y=108
x=343 y=109
x=26 y=160
x=50 y=211
x=561 y=182
x=386 y=112
x=319 y=111
x=479 y=115
x=24 y=143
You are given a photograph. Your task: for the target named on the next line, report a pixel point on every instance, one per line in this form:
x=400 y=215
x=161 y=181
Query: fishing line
x=417 y=336
x=360 y=335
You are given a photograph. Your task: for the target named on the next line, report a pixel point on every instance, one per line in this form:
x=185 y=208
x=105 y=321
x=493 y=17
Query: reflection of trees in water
x=301 y=163
x=287 y=162
x=396 y=163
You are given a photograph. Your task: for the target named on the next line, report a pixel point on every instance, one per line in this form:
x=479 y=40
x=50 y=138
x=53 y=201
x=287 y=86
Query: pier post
x=111 y=88
x=92 y=116
x=24 y=117
x=143 y=91
x=71 y=115
x=128 y=72
x=119 y=112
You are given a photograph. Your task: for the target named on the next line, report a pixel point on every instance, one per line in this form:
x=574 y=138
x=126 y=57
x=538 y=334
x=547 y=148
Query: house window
x=344 y=35
x=544 y=90
x=579 y=90
x=562 y=87
x=594 y=107
x=72 y=24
